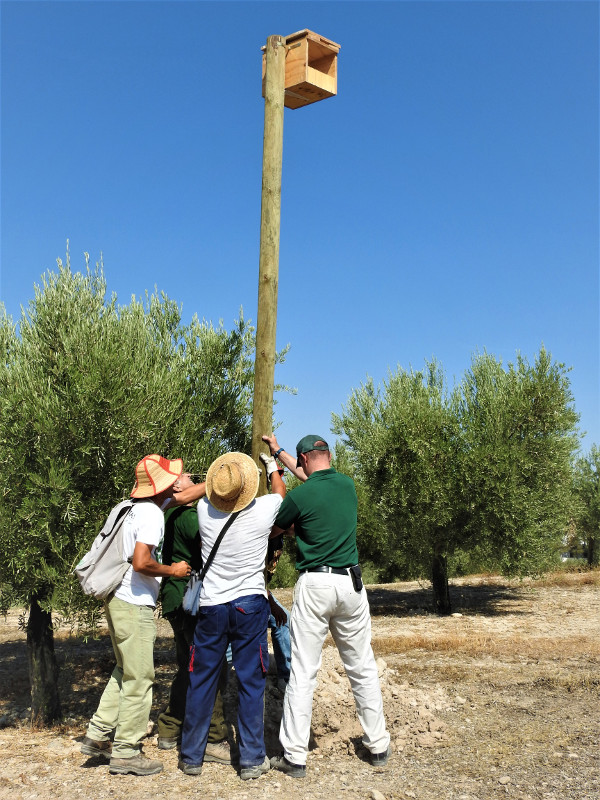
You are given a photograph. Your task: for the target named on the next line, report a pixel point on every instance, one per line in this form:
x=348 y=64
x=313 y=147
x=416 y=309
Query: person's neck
x=159 y=499
x=320 y=468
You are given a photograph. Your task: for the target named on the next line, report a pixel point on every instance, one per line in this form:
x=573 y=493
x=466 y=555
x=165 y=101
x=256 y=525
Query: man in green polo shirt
x=182 y=543
x=329 y=596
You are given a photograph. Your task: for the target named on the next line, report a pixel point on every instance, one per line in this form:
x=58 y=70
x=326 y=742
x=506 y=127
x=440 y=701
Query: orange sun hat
x=154 y=474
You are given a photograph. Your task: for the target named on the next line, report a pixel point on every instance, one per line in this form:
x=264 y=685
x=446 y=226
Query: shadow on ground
x=86 y=665
x=487 y=599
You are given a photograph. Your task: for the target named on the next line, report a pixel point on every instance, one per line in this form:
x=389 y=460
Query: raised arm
x=189 y=495
x=273 y=476
x=287 y=459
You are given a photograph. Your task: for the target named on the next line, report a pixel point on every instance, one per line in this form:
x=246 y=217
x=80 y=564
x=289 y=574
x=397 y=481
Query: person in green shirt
x=182 y=543
x=329 y=597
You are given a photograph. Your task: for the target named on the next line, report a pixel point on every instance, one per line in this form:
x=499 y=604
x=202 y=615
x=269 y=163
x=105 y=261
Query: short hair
x=318 y=450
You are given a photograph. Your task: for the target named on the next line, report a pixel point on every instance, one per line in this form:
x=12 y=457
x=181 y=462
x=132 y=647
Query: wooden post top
x=314 y=37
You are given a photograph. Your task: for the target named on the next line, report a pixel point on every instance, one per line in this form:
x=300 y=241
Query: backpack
x=103 y=567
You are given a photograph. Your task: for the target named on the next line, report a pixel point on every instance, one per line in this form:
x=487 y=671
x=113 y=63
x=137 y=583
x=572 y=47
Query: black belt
x=333 y=570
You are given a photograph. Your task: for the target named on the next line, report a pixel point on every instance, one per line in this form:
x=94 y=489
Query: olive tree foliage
x=405 y=440
x=519 y=428
x=87 y=388
x=482 y=469
x=587 y=515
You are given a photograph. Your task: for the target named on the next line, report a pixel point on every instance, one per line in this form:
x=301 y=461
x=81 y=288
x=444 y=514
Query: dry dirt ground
x=500 y=700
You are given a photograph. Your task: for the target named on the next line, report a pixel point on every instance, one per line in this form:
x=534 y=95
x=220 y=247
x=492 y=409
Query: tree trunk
x=593 y=552
x=439 y=582
x=43 y=669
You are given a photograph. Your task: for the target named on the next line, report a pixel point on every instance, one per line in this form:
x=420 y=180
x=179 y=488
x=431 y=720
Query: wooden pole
x=268 y=271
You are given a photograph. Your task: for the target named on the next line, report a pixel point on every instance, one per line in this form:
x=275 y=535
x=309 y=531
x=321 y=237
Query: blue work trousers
x=280 y=637
x=243 y=624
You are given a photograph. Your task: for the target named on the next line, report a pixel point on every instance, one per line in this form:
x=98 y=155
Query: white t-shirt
x=239 y=564
x=145 y=523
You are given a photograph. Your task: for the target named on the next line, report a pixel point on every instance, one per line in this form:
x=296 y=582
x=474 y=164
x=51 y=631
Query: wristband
x=276 y=455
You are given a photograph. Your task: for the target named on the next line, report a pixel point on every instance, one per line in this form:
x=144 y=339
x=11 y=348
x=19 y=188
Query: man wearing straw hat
x=329 y=596
x=233 y=606
x=182 y=543
x=124 y=707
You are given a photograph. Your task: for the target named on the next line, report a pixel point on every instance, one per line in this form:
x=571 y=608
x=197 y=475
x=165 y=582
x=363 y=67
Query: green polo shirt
x=181 y=543
x=323 y=512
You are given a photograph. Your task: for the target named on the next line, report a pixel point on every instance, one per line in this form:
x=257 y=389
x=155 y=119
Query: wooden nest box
x=310 y=68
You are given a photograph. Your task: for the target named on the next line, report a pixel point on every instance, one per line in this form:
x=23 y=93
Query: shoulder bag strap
x=210 y=558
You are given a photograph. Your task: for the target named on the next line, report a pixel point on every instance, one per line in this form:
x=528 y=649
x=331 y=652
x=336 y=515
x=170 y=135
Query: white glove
x=270 y=464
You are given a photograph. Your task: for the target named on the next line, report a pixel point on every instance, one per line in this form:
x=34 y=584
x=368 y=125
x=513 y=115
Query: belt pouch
x=355 y=573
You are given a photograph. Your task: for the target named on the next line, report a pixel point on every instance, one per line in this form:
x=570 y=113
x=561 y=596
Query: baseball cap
x=308 y=443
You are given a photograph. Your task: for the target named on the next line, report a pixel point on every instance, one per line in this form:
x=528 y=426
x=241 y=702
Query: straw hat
x=232 y=482
x=154 y=474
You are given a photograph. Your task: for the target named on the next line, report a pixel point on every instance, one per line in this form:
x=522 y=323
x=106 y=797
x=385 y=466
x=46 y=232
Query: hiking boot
x=136 y=765
x=167 y=742
x=247 y=773
x=189 y=769
x=381 y=759
x=219 y=752
x=92 y=747
x=283 y=765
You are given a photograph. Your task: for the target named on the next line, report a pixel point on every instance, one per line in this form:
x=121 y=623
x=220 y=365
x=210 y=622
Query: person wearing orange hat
x=124 y=708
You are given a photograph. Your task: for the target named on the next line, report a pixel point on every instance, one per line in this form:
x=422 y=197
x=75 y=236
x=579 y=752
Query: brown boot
x=92 y=747
x=136 y=765
x=219 y=752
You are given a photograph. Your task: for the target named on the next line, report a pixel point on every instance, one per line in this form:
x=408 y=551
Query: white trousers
x=324 y=602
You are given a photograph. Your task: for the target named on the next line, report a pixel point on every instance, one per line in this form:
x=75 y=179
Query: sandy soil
x=499 y=700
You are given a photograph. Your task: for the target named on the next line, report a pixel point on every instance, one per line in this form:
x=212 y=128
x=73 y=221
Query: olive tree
x=587 y=490
x=520 y=434
x=87 y=388
x=484 y=468
x=405 y=441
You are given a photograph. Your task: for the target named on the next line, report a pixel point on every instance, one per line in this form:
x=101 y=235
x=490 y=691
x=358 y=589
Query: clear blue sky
x=445 y=202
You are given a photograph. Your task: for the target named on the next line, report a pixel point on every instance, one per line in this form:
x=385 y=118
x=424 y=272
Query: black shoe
x=283 y=765
x=92 y=747
x=381 y=759
x=248 y=773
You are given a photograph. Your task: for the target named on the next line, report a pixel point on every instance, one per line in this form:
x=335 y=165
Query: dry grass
x=514 y=677
x=566 y=680
x=481 y=644
x=566 y=579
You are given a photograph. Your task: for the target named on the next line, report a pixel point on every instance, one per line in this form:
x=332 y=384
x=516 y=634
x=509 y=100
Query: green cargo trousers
x=127 y=699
